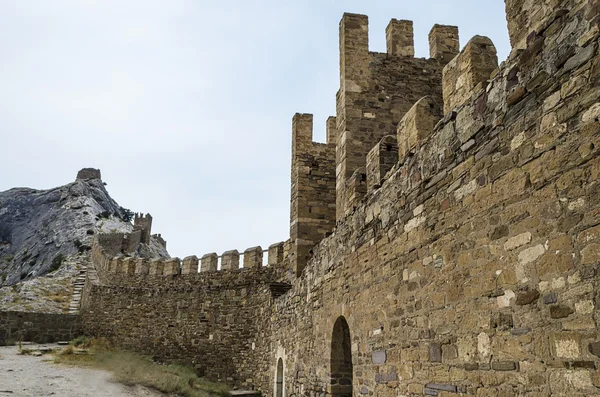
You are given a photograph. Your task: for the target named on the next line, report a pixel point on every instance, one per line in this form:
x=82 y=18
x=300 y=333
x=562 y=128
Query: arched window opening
x=279 y=379
x=341 y=360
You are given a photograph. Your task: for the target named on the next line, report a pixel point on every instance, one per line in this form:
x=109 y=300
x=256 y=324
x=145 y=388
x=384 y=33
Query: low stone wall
x=37 y=327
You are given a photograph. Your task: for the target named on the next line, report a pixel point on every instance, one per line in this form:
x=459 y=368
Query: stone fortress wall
x=464 y=252
x=211 y=315
x=17 y=327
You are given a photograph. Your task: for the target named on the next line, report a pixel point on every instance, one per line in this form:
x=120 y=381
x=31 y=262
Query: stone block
x=550 y=298
x=379 y=357
x=117 y=265
x=331 y=130
x=189 y=265
x=435 y=352
x=560 y=311
x=356 y=189
x=527 y=297
x=230 y=260
x=275 y=254
x=472 y=66
x=400 y=38
x=417 y=125
x=444 y=43
x=504 y=366
x=157 y=267
x=517 y=241
x=380 y=160
x=172 y=267
x=253 y=258
x=129 y=266
x=142 y=266
x=442 y=387
x=566 y=345
x=594 y=348
x=209 y=262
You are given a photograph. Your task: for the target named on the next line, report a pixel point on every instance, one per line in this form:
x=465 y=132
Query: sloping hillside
x=48 y=232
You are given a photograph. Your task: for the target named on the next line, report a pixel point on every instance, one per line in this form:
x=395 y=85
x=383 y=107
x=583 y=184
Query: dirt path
x=28 y=376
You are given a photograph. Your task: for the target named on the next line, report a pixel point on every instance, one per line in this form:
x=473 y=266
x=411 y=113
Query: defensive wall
x=211 y=315
x=37 y=327
x=464 y=254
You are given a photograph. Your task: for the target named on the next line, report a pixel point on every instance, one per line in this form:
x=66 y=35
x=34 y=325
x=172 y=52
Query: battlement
x=399 y=38
x=474 y=65
x=109 y=262
x=376 y=90
x=158 y=237
x=312 y=209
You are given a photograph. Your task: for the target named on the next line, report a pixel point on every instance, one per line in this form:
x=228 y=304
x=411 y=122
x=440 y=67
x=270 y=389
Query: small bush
x=126 y=214
x=57 y=262
x=89 y=232
x=103 y=215
x=3 y=276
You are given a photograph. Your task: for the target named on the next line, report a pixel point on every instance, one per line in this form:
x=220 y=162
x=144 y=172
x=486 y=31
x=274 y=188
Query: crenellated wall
x=312 y=209
x=186 y=310
x=466 y=254
x=377 y=89
x=473 y=269
x=143 y=224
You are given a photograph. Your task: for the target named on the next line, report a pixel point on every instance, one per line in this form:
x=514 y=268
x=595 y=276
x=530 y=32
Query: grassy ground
x=134 y=369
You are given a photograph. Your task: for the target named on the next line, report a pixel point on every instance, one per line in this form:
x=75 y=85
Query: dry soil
x=29 y=376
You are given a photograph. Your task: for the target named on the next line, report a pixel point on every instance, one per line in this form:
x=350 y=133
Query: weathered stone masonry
x=473 y=269
x=214 y=320
x=468 y=266
x=37 y=327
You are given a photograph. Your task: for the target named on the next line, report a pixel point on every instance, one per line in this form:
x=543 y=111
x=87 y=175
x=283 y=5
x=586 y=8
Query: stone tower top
x=89 y=173
x=143 y=223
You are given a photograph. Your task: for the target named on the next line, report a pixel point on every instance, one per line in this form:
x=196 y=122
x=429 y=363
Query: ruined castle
x=444 y=241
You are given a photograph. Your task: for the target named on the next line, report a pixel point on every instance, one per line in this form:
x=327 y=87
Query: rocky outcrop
x=39 y=229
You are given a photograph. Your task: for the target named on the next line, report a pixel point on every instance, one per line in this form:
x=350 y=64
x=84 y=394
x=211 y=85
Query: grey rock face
x=37 y=227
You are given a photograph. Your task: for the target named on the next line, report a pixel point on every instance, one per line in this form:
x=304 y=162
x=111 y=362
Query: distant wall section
x=37 y=327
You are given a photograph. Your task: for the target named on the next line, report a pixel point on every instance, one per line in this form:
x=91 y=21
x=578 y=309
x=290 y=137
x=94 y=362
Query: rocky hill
x=42 y=230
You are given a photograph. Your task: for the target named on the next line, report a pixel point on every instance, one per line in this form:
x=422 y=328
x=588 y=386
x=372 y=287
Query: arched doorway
x=341 y=360
x=279 y=379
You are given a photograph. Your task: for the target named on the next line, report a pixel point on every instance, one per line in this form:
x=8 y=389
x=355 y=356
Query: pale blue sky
x=184 y=105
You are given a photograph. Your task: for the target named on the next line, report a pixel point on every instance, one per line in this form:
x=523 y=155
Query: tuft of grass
x=83 y=342
x=135 y=369
x=23 y=350
x=66 y=351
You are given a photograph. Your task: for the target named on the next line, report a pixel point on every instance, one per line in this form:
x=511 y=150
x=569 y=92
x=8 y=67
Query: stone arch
x=279 y=379
x=341 y=359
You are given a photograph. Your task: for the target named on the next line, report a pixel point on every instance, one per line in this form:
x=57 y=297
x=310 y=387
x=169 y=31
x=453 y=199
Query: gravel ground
x=29 y=376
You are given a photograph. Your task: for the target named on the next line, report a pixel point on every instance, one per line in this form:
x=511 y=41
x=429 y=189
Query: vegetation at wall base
x=135 y=369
